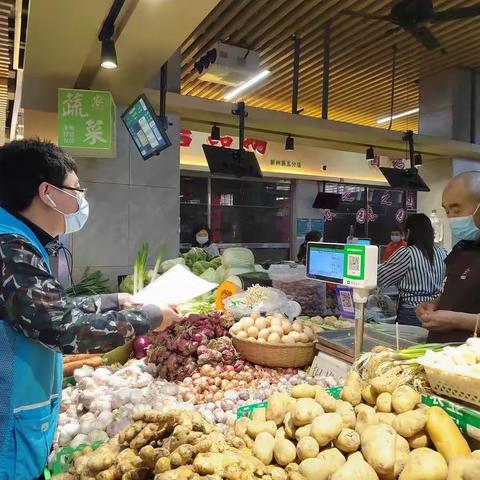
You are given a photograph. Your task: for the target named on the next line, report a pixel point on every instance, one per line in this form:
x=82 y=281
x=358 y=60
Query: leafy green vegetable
x=161 y=254
x=195 y=254
x=209 y=275
x=90 y=284
x=139 y=269
x=201 y=308
x=216 y=262
x=126 y=286
x=201 y=266
x=221 y=275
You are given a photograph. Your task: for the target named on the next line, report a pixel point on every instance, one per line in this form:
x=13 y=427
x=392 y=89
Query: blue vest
x=30 y=389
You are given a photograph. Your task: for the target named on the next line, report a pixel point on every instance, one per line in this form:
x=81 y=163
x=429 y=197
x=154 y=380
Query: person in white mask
x=202 y=238
x=40 y=199
x=453 y=318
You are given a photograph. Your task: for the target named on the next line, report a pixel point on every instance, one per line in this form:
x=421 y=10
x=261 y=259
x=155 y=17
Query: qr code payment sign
x=354 y=263
x=346 y=300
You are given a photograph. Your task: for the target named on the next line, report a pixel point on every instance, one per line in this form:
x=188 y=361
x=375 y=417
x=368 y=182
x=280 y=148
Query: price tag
x=326 y=366
x=345 y=301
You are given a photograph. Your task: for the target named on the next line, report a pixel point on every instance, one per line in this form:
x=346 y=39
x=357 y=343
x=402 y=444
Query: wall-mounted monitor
x=231 y=162
x=327 y=200
x=145 y=128
x=407 y=179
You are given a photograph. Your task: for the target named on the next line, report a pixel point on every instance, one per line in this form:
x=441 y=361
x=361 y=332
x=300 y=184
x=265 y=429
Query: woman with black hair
x=203 y=239
x=313 y=236
x=418 y=270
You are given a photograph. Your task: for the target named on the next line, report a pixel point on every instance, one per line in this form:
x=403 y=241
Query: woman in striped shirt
x=418 y=270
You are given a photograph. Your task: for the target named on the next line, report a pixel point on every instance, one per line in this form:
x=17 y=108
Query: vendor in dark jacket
x=453 y=317
x=40 y=199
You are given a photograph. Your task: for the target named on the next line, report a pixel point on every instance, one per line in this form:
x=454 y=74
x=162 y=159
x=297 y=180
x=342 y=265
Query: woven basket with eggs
x=273 y=341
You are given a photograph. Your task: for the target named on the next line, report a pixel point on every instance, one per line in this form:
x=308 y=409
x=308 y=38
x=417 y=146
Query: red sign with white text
x=252 y=144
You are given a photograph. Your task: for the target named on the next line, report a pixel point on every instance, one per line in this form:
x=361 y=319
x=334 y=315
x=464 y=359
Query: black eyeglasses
x=80 y=192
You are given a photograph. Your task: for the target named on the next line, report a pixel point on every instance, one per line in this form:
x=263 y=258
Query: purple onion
x=140 y=346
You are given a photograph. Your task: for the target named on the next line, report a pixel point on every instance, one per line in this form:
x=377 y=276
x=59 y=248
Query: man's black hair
x=24 y=165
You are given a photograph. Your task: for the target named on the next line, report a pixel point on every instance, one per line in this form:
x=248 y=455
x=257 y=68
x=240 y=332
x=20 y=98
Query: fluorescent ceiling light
x=399 y=115
x=247 y=84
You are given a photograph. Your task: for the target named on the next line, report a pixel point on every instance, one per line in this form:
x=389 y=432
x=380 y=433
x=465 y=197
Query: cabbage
x=209 y=275
x=236 y=257
x=168 y=264
x=231 y=272
x=194 y=255
x=200 y=267
x=220 y=274
x=216 y=262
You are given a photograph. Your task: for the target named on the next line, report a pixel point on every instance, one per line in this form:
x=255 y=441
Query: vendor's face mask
x=395 y=238
x=73 y=221
x=464 y=228
x=202 y=239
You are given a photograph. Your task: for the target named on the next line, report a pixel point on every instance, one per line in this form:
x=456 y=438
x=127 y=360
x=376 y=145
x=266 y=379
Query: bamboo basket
x=275 y=355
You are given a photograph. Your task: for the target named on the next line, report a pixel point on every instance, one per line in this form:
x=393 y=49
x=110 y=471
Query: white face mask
x=202 y=239
x=73 y=221
x=464 y=228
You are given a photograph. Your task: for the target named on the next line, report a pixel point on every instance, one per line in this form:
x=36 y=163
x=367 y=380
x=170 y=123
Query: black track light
x=109 y=54
x=199 y=66
x=212 y=55
x=370 y=154
x=289 y=143
x=215 y=133
x=417 y=160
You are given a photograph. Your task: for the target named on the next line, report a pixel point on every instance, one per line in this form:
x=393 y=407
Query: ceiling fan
x=415 y=16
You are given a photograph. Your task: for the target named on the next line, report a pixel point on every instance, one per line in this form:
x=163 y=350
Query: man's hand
x=125 y=301
x=439 y=320
x=169 y=317
x=425 y=308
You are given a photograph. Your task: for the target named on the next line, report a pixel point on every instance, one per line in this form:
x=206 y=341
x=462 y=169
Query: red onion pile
x=199 y=340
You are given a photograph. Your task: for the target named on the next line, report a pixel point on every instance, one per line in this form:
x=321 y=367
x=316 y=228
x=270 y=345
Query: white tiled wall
x=131 y=201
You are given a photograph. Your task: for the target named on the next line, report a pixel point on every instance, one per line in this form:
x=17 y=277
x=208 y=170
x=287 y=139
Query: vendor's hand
x=169 y=317
x=125 y=300
x=425 y=308
x=439 y=320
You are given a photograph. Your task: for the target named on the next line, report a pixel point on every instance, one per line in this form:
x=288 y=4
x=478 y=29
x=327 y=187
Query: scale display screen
x=364 y=241
x=326 y=262
x=145 y=128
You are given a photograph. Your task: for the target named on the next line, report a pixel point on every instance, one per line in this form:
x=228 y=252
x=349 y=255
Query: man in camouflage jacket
x=40 y=199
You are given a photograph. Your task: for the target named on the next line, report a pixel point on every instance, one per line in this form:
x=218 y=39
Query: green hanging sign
x=86 y=122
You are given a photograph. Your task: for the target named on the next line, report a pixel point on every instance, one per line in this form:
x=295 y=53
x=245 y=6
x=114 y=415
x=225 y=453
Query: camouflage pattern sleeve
x=34 y=303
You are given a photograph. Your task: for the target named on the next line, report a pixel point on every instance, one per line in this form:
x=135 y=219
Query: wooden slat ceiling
x=361 y=60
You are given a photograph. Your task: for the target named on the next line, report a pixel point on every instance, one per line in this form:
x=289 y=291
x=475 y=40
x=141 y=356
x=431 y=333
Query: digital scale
x=351 y=265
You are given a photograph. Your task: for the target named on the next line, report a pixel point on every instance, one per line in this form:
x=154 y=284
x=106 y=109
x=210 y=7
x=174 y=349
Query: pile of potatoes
x=375 y=431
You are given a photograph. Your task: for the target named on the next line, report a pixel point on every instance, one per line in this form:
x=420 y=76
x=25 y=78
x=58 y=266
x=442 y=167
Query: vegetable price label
x=326 y=366
x=86 y=122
